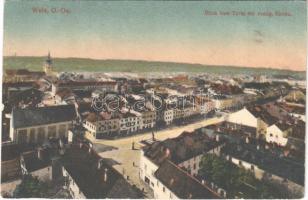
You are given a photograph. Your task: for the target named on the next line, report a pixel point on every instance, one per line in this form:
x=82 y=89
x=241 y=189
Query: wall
x=72 y=187
x=10 y=169
x=160 y=191
x=275 y=135
x=60 y=130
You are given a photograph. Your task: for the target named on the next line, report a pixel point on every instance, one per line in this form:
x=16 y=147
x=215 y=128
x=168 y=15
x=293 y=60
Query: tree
x=236 y=180
x=30 y=187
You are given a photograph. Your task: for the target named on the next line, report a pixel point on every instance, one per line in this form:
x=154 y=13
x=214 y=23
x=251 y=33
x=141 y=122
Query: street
x=126 y=160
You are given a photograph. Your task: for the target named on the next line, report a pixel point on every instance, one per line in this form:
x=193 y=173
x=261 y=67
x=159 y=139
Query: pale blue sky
x=173 y=31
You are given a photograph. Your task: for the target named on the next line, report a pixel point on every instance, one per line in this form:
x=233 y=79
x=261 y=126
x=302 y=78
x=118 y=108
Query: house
x=278 y=133
x=253 y=116
x=297 y=111
x=295 y=97
x=87 y=85
x=184 y=153
x=64 y=96
x=148 y=118
x=175 y=183
x=34 y=125
x=222 y=102
x=16 y=75
x=12 y=88
x=168 y=116
x=130 y=123
x=268 y=164
x=87 y=175
x=102 y=124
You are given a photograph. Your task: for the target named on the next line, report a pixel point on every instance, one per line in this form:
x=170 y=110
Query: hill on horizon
x=135 y=66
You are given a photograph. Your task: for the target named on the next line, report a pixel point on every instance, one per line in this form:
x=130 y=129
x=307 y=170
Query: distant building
x=48 y=67
x=34 y=125
x=109 y=86
x=21 y=75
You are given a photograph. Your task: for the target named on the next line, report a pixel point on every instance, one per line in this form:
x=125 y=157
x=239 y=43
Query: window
x=22 y=136
x=32 y=135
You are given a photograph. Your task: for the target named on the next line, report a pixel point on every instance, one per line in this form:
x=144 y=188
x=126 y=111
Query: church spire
x=48 y=64
x=48 y=60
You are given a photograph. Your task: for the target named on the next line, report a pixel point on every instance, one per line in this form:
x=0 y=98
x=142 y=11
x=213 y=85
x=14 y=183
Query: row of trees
x=238 y=182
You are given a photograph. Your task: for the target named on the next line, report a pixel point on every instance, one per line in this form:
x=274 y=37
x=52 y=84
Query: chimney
x=105 y=174
x=61 y=143
x=286 y=152
x=167 y=153
x=171 y=181
x=99 y=164
x=217 y=138
x=39 y=153
x=90 y=147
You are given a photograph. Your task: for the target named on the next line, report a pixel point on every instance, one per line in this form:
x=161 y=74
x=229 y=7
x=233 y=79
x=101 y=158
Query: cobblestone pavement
x=127 y=160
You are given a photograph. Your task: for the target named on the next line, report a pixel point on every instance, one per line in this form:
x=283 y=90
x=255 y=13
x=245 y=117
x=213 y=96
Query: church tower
x=48 y=65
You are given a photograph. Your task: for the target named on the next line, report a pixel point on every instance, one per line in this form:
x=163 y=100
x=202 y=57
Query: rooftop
x=182 y=148
x=261 y=112
x=267 y=160
x=43 y=115
x=182 y=184
x=93 y=180
x=84 y=83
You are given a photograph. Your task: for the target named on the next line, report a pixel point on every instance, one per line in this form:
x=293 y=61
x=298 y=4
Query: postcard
x=153 y=99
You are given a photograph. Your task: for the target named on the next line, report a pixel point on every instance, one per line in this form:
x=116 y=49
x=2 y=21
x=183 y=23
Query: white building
x=255 y=117
x=103 y=124
x=156 y=164
x=278 y=133
x=130 y=123
x=168 y=116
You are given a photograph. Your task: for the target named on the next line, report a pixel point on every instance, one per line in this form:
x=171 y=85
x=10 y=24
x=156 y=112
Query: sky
x=160 y=31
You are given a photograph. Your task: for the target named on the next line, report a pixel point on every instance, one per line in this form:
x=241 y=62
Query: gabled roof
x=267 y=160
x=283 y=126
x=182 y=148
x=95 y=182
x=43 y=115
x=262 y=113
x=182 y=184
